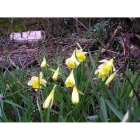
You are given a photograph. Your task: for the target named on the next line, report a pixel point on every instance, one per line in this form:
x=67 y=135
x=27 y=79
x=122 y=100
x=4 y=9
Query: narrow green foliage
x=99 y=102
x=116 y=112
x=103 y=110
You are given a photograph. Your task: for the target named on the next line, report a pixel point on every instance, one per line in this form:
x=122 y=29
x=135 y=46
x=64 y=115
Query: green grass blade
x=12 y=103
x=103 y=110
x=118 y=114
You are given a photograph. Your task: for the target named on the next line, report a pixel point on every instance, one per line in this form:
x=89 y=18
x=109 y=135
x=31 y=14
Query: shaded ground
x=120 y=38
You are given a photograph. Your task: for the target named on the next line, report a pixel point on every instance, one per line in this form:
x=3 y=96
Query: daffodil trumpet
x=80 y=55
x=72 y=61
x=105 y=68
x=70 y=81
x=37 y=82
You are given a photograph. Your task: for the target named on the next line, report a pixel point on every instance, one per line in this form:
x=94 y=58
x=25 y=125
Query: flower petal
x=111 y=77
x=72 y=61
x=56 y=73
x=104 y=60
x=75 y=95
x=36 y=82
x=43 y=64
x=30 y=82
x=70 y=81
x=96 y=71
x=49 y=100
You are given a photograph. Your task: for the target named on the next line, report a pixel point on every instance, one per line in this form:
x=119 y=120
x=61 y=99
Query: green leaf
x=103 y=110
x=12 y=103
x=118 y=114
x=134 y=81
x=136 y=117
x=92 y=61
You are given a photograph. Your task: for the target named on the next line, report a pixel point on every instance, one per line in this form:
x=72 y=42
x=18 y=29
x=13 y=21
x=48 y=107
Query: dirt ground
x=124 y=31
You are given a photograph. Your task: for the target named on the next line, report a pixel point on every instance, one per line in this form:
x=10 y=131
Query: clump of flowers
x=36 y=82
x=77 y=57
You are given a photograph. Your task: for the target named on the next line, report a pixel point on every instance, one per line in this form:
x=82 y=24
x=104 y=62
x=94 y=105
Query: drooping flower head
x=104 y=69
x=72 y=61
x=75 y=96
x=43 y=64
x=111 y=77
x=49 y=100
x=70 y=81
x=80 y=55
x=55 y=75
x=36 y=82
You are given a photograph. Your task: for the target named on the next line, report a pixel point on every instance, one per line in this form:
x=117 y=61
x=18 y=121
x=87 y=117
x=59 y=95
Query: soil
x=127 y=38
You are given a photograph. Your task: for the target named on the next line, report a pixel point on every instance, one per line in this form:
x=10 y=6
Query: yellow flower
x=104 y=69
x=43 y=64
x=56 y=73
x=75 y=96
x=36 y=82
x=70 y=81
x=49 y=100
x=80 y=55
x=111 y=77
x=72 y=61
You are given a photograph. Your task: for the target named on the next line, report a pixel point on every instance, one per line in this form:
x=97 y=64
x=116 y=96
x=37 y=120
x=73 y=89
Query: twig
x=3 y=98
x=90 y=32
x=111 y=57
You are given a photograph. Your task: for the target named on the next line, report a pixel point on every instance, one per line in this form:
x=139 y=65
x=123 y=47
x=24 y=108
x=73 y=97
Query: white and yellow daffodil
x=75 y=96
x=49 y=100
x=70 y=81
x=104 y=69
x=72 y=61
x=80 y=55
x=36 y=82
x=55 y=75
x=44 y=63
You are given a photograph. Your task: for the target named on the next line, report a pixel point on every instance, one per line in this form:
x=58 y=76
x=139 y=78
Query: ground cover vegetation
x=84 y=70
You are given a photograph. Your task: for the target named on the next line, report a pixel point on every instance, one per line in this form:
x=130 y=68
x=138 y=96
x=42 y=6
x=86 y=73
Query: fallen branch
x=104 y=46
x=3 y=98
